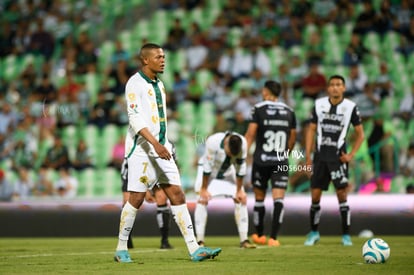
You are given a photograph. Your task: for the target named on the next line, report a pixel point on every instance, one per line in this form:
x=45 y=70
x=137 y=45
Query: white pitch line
x=82 y=253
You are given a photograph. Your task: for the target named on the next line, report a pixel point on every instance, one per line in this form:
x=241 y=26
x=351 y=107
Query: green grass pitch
x=95 y=256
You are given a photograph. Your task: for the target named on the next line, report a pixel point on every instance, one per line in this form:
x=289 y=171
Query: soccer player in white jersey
x=156 y=195
x=331 y=118
x=149 y=155
x=221 y=171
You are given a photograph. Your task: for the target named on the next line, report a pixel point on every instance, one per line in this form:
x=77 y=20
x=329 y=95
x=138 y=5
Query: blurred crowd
x=56 y=73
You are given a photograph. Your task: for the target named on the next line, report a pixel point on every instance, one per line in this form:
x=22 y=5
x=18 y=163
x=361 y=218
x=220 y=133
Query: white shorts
x=145 y=172
x=216 y=187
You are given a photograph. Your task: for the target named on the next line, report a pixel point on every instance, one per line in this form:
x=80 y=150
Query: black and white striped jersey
x=333 y=123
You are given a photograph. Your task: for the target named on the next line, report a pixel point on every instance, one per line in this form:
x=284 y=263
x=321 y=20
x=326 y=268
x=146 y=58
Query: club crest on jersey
x=133 y=106
x=144 y=180
x=131 y=96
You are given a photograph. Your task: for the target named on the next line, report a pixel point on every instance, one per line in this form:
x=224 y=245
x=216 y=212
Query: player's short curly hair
x=274 y=87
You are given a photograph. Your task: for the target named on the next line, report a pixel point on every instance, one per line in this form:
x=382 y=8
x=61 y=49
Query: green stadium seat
x=186 y=116
x=87 y=178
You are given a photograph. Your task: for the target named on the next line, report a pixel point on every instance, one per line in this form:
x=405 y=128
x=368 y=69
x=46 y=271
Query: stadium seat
x=11 y=67
x=187 y=115
x=105 y=144
x=70 y=139
x=86 y=178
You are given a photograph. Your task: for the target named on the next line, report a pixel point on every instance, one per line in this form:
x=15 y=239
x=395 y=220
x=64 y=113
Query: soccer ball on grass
x=375 y=251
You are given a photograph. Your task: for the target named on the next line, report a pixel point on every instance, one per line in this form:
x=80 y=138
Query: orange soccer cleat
x=259 y=240
x=274 y=243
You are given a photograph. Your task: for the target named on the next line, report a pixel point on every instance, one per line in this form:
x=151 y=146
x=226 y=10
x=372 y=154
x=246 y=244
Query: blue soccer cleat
x=122 y=256
x=203 y=253
x=346 y=240
x=312 y=238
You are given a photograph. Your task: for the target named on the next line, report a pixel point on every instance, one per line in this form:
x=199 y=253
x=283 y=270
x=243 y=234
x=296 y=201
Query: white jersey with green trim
x=144 y=112
x=216 y=162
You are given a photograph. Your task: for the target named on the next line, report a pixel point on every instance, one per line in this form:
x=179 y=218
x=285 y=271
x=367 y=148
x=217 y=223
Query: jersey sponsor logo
x=331 y=128
x=327 y=141
x=335 y=117
x=265 y=158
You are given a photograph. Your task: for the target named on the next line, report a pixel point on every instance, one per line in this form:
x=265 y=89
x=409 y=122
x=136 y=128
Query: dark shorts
x=261 y=175
x=326 y=171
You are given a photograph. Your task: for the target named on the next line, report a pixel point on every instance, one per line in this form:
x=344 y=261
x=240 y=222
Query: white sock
x=183 y=220
x=126 y=223
x=241 y=216
x=200 y=219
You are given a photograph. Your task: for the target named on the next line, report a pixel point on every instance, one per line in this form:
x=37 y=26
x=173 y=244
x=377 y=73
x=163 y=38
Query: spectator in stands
x=365 y=22
x=385 y=20
x=6 y=188
x=344 y=12
x=225 y=102
x=315 y=51
x=356 y=81
x=6 y=39
x=70 y=88
x=379 y=134
x=43 y=187
x=83 y=157
x=285 y=82
x=100 y=112
x=8 y=118
x=406 y=110
x=86 y=58
x=68 y=110
x=24 y=145
x=255 y=58
x=57 y=155
x=291 y=35
x=120 y=72
x=403 y=14
x=66 y=185
x=297 y=71
x=41 y=41
x=407 y=39
x=367 y=101
x=119 y=53
x=355 y=52
x=314 y=83
x=179 y=90
x=23 y=186
x=325 y=11
x=46 y=90
x=195 y=90
x=383 y=84
x=269 y=33
x=117 y=113
x=178 y=34
x=407 y=162
x=196 y=53
x=230 y=64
